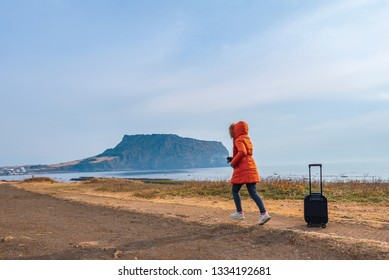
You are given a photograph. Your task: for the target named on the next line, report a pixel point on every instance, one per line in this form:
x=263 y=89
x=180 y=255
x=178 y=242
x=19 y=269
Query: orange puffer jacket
x=245 y=168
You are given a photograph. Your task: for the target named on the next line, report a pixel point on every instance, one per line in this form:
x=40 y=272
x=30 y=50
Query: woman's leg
x=236 y=195
x=252 y=188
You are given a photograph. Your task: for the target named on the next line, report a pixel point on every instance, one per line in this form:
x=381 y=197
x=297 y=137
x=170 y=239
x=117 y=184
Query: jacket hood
x=241 y=128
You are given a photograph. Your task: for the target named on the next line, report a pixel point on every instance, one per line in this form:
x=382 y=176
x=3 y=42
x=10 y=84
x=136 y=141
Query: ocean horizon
x=331 y=172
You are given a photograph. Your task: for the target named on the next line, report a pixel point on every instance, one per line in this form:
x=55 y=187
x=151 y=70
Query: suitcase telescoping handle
x=321 y=177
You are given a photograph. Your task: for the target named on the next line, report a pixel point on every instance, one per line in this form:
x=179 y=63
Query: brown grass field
x=158 y=219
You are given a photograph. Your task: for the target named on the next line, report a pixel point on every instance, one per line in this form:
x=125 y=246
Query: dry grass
x=275 y=188
x=39 y=180
x=160 y=189
x=358 y=191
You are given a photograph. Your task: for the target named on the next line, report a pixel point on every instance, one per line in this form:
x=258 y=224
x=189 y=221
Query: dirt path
x=218 y=214
x=40 y=226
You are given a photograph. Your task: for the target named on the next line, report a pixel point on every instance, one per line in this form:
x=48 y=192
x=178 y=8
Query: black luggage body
x=315 y=204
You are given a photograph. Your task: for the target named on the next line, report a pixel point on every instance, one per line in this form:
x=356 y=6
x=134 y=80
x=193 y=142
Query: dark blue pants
x=252 y=189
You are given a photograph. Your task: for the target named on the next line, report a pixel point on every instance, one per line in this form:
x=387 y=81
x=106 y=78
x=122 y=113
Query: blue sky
x=310 y=77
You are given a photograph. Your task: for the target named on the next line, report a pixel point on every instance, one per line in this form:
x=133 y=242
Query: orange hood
x=241 y=128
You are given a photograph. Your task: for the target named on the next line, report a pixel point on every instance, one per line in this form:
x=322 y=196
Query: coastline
x=343 y=173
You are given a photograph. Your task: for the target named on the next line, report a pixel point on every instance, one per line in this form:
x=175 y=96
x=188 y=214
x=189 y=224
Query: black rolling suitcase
x=315 y=204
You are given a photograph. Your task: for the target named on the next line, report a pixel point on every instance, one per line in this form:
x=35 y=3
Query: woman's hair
x=232 y=130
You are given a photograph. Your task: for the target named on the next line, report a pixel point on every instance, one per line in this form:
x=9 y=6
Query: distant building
x=13 y=171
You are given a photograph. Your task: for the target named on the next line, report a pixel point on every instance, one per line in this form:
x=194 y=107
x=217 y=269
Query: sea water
x=331 y=172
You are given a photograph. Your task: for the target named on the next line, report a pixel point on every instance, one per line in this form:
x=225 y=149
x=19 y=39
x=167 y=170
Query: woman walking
x=245 y=171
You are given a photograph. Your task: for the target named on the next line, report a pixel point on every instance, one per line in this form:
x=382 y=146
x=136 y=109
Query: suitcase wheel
x=323 y=225
x=309 y=225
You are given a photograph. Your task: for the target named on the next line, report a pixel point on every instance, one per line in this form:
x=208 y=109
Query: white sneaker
x=264 y=218
x=237 y=216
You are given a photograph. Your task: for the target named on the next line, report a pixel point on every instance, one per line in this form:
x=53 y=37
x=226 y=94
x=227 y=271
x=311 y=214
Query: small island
x=146 y=152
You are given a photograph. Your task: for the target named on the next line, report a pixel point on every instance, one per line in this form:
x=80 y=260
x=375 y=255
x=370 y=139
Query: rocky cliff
x=152 y=152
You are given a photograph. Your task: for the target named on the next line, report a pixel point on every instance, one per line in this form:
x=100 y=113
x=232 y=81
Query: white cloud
x=342 y=80
x=379 y=96
x=338 y=52
x=370 y=122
